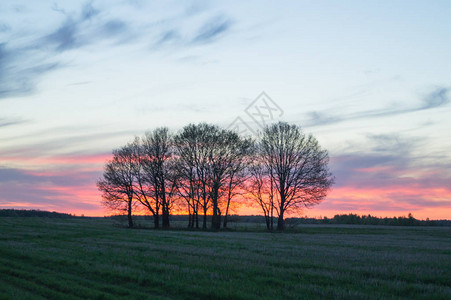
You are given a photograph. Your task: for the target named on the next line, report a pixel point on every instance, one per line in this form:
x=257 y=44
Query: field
x=89 y=258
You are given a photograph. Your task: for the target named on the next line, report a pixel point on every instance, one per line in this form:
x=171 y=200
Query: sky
x=370 y=80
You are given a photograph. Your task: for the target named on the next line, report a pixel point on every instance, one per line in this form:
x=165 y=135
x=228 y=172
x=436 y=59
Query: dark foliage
x=32 y=213
x=355 y=219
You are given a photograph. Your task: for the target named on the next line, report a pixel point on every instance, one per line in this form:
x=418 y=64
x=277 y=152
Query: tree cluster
x=372 y=220
x=32 y=213
x=203 y=168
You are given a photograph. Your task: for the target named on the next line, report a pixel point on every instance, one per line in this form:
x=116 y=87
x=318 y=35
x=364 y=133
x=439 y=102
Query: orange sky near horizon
x=68 y=185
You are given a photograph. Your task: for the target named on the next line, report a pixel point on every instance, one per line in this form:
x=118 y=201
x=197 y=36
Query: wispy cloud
x=168 y=37
x=437 y=98
x=389 y=176
x=22 y=65
x=67 y=191
x=212 y=29
x=114 y=27
x=9 y=122
x=87 y=27
x=392 y=198
x=72 y=178
x=62 y=142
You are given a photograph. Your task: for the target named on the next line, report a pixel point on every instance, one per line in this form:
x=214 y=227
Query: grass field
x=89 y=258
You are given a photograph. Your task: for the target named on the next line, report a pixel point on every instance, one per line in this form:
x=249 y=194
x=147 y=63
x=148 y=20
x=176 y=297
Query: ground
x=90 y=258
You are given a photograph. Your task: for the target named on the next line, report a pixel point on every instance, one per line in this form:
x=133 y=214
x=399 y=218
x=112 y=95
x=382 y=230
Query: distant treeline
x=337 y=219
x=371 y=220
x=32 y=213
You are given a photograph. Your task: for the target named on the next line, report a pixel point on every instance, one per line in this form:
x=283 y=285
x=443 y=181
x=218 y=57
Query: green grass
x=89 y=258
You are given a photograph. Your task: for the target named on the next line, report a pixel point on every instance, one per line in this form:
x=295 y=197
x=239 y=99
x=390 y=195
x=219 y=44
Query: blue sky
x=371 y=80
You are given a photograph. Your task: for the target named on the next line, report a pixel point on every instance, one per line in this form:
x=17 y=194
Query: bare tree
x=144 y=190
x=260 y=187
x=210 y=159
x=205 y=165
x=297 y=168
x=159 y=173
x=193 y=146
x=221 y=144
x=210 y=162
x=240 y=156
x=188 y=189
x=117 y=184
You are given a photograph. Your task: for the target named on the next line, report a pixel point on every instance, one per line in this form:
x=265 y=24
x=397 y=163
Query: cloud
x=389 y=176
x=75 y=31
x=16 y=78
x=64 y=37
x=32 y=196
x=437 y=98
x=68 y=178
x=209 y=32
x=392 y=143
x=196 y=7
x=21 y=66
x=88 y=11
x=391 y=161
x=167 y=37
x=114 y=27
x=321 y=118
x=38 y=145
x=68 y=191
x=9 y=122
x=392 y=198
x=23 y=63
x=4 y=27
x=212 y=29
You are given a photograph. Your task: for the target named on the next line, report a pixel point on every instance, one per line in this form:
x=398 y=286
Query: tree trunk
x=224 y=224
x=156 y=220
x=166 y=218
x=214 y=218
x=272 y=203
x=129 y=214
x=190 y=217
x=204 y=224
x=165 y=206
x=219 y=219
x=280 y=222
x=272 y=217
x=197 y=219
x=226 y=213
x=267 y=220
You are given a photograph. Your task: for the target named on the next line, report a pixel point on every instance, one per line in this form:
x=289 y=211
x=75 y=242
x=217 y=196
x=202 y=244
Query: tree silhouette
x=224 y=162
x=241 y=150
x=210 y=160
x=297 y=168
x=117 y=184
x=193 y=146
x=159 y=171
x=260 y=187
x=208 y=166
